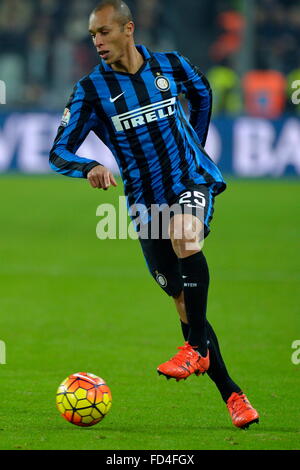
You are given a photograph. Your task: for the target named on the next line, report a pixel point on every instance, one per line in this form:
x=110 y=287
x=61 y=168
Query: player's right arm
x=78 y=120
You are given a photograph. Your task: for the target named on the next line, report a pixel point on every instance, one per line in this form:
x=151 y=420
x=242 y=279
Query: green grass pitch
x=70 y=302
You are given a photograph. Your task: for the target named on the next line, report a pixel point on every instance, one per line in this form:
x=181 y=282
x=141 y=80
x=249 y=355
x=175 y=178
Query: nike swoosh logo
x=112 y=100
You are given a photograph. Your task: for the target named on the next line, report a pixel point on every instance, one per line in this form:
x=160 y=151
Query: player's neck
x=131 y=62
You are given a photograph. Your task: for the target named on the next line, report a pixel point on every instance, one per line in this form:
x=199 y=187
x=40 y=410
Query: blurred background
x=249 y=51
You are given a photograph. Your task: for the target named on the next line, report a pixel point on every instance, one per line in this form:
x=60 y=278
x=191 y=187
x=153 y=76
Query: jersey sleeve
x=196 y=88
x=77 y=121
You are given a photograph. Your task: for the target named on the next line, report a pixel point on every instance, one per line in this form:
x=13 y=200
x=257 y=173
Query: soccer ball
x=83 y=399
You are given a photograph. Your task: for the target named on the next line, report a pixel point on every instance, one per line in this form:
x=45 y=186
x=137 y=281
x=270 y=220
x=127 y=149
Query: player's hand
x=101 y=177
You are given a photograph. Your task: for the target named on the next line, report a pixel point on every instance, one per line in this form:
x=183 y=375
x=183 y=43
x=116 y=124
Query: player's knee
x=189 y=248
x=185 y=227
x=186 y=241
x=185 y=234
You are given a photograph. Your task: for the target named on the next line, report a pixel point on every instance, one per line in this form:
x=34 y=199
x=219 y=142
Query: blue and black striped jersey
x=140 y=119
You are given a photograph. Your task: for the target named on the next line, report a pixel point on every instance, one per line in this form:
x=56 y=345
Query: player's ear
x=129 y=28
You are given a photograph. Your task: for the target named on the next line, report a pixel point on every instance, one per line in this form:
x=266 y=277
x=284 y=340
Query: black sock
x=195 y=277
x=217 y=370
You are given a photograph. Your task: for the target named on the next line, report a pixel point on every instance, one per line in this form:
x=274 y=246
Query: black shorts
x=160 y=257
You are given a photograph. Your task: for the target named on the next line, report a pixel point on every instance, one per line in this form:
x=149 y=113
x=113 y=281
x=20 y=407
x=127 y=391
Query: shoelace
x=183 y=350
x=237 y=403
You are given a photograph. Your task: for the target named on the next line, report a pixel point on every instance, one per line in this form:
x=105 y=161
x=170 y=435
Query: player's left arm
x=197 y=90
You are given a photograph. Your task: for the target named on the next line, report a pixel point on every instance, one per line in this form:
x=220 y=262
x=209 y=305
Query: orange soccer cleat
x=241 y=411
x=186 y=362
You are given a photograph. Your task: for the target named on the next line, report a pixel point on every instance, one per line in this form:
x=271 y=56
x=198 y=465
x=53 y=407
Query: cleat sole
x=246 y=426
x=168 y=377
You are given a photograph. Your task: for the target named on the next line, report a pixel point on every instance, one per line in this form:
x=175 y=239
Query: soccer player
x=131 y=102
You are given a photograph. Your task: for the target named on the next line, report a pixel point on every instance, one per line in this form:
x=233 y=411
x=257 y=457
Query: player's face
x=109 y=37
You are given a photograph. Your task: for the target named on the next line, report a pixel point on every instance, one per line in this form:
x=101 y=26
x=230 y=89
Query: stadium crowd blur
x=45 y=48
